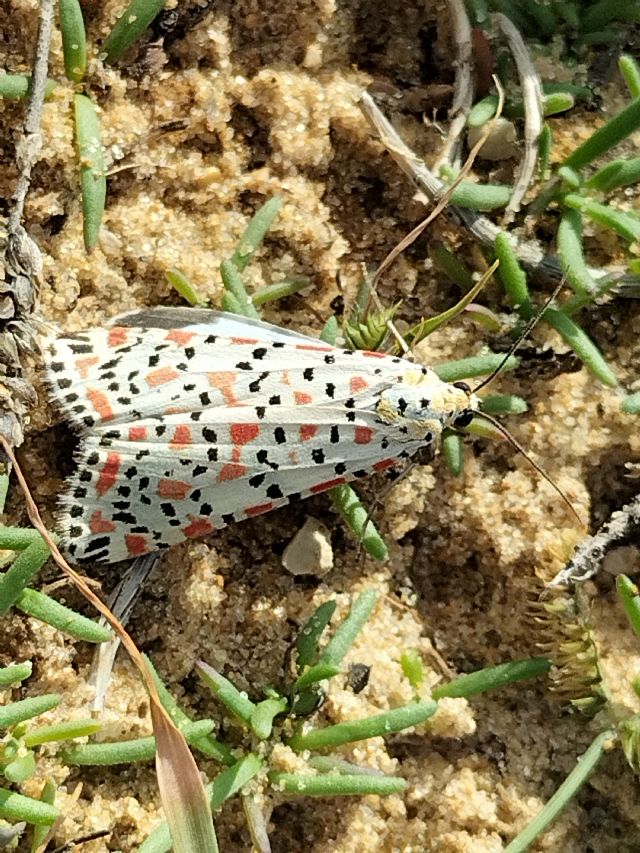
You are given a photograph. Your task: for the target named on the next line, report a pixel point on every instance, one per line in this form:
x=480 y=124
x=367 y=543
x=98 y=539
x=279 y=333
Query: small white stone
x=313 y=56
x=501 y=142
x=309 y=552
x=110 y=243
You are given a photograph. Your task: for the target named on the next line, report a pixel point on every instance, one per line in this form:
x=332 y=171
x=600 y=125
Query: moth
x=190 y=420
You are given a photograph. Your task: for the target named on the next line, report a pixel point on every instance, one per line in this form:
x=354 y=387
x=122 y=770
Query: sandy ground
x=258 y=100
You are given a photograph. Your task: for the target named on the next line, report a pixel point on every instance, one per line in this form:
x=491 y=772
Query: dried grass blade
x=181 y=788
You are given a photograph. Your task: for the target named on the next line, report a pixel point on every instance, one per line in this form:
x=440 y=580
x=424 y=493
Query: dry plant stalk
x=176 y=769
x=22 y=258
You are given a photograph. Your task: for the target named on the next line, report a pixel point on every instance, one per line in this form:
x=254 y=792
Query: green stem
x=481 y=196
x=624 y=224
x=183 y=285
x=453 y=452
x=504 y=404
x=319 y=672
x=4 y=489
x=264 y=715
x=48 y=796
x=631 y=404
x=128 y=751
x=13 y=87
x=74 y=40
x=14 y=673
x=615 y=174
x=492 y=677
x=452 y=266
x=233 y=283
x=336 y=784
x=280 y=289
x=27 y=709
x=256 y=230
x=618 y=128
x=129 y=27
x=18 y=538
x=582 y=345
x=310 y=633
x=346 y=633
x=356 y=515
x=412 y=667
x=382 y=724
x=25 y=567
x=513 y=276
x=571 y=253
x=631 y=72
x=93 y=175
x=630 y=598
x=61 y=731
x=565 y=793
x=14 y=807
x=40 y=606
x=227 y=693
x=475 y=365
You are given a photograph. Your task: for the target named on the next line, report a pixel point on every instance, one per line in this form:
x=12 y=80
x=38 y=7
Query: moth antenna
x=532 y=323
x=538 y=468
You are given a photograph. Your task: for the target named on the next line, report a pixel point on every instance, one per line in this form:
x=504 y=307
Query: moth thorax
x=410 y=412
x=421 y=411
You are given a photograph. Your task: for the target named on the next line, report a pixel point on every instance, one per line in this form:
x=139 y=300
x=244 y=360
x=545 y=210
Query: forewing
x=208 y=321
x=118 y=375
x=147 y=486
x=184 y=432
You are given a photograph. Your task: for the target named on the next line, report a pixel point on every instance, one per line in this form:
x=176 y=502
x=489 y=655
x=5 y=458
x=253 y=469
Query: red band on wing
x=181 y=437
x=161 y=376
x=231 y=472
x=198 y=527
x=179 y=336
x=258 y=510
x=329 y=484
x=174 y=489
x=100 y=403
x=363 y=435
x=244 y=433
x=99 y=524
x=108 y=474
x=136 y=544
x=137 y=433
x=117 y=336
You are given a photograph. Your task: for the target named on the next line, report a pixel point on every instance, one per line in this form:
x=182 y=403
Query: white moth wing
x=184 y=432
x=129 y=497
x=113 y=376
x=209 y=322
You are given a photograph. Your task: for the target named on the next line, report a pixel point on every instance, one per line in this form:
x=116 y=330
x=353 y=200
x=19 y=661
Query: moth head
x=421 y=410
x=466 y=405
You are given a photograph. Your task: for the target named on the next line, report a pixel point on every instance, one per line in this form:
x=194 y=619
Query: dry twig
x=532 y=97
x=173 y=758
x=121 y=603
x=530 y=253
x=463 y=86
x=543 y=268
x=588 y=557
x=442 y=202
x=23 y=262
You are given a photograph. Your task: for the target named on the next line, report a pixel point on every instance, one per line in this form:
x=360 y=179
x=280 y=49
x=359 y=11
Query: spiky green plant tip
x=566 y=638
